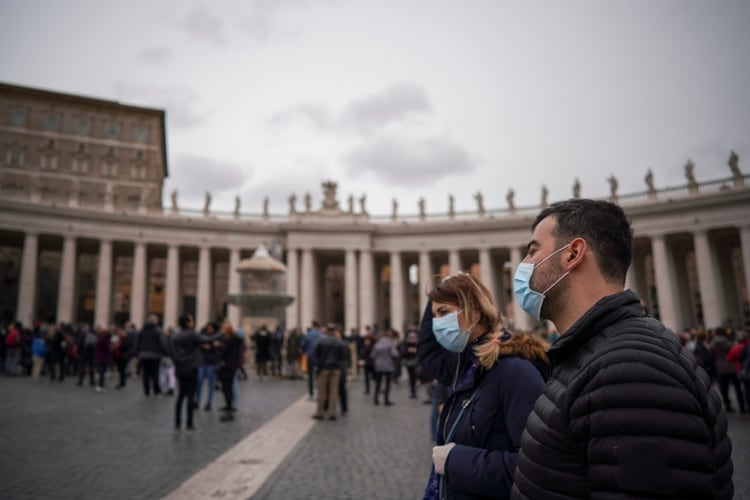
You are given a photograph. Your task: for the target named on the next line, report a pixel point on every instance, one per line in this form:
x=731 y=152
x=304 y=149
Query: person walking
x=38 y=352
x=262 y=341
x=308 y=344
x=329 y=356
x=384 y=354
x=726 y=371
x=293 y=352
x=736 y=357
x=150 y=348
x=102 y=355
x=230 y=360
x=86 y=350
x=207 y=369
x=408 y=352
x=186 y=356
x=365 y=360
x=123 y=353
x=492 y=379
x=13 y=349
x=626 y=412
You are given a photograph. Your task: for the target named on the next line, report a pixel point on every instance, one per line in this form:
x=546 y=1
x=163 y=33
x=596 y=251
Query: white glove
x=440 y=455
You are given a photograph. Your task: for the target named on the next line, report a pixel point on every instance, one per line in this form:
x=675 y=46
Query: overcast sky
x=406 y=98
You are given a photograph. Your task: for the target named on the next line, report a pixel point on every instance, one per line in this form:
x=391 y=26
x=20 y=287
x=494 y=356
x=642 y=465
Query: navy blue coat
x=488 y=434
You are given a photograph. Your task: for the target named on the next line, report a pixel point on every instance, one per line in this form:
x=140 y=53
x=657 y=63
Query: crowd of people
x=614 y=405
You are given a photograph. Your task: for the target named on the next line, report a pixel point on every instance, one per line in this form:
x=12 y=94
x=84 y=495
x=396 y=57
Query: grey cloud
x=193 y=175
x=393 y=103
x=178 y=100
x=365 y=115
x=404 y=161
x=156 y=56
x=202 y=23
x=315 y=114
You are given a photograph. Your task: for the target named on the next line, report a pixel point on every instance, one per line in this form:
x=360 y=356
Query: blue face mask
x=449 y=334
x=530 y=300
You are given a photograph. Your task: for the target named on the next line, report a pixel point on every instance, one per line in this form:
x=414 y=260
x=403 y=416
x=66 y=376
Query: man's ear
x=575 y=254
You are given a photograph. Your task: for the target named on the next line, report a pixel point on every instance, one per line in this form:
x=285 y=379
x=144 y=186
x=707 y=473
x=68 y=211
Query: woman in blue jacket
x=493 y=377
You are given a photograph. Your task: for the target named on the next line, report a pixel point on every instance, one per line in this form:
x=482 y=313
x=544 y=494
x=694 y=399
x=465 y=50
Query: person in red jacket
x=738 y=354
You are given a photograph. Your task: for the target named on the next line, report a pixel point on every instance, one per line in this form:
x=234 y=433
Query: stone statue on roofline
x=292 y=204
x=265 y=207
x=545 y=194
x=577 y=188
x=649 y=179
x=451 y=207
x=394 y=209
x=207 y=203
x=613 y=185
x=480 y=203
x=734 y=164
x=237 y=203
x=690 y=176
x=308 y=203
x=510 y=198
x=362 y=204
x=329 y=196
x=173 y=197
x=351 y=204
x=421 y=205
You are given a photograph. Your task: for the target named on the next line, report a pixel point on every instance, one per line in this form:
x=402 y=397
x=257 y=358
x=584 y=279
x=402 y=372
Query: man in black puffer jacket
x=626 y=413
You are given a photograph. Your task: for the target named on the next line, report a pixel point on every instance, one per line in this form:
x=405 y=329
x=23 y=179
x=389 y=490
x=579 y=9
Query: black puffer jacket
x=627 y=413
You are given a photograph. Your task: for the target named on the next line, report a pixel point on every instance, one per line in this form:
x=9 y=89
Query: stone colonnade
x=691 y=265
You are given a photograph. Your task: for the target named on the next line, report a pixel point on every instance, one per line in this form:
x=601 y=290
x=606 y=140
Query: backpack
x=744 y=359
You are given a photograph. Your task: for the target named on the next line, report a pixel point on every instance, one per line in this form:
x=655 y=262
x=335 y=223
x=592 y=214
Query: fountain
x=262 y=298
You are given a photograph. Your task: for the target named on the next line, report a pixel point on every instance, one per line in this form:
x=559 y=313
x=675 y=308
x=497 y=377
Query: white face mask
x=530 y=300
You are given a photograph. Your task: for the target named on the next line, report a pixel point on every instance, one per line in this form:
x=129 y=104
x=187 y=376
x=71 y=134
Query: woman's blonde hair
x=468 y=294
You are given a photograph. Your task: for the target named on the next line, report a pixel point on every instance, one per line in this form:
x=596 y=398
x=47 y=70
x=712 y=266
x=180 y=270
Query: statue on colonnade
x=207 y=203
x=480 y=203
x=451 y=207
x=613 y=185
x=292 y=204
x=690 y=176
x=577 y=188
x=510 y=198
x=734 y=165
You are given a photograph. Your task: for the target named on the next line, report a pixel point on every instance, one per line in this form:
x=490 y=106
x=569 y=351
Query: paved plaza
x=60 y=441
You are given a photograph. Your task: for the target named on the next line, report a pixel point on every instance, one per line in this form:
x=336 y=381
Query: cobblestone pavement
x=59 y=441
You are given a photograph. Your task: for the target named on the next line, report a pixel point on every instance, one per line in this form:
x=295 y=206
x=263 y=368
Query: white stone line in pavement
x=243 y=469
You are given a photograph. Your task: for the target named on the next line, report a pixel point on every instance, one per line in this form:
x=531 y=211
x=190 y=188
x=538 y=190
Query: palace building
x=85 y=238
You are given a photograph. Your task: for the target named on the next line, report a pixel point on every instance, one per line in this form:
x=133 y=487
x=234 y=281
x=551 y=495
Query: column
x=366 y=288
x=172 y=290
x=138 y=286
x=66 y=290
x=307 y=289
x=233 y=287
x=454 y=261
x=203 y=299
x=521 y=320
x=292 y=288
x=350 y=290
x=745 y=248
x=712 y=296
x=665 y=287
x=487 y=272
x=27 y=287
x=103 y=305
x=425 y=279
x=397 y=292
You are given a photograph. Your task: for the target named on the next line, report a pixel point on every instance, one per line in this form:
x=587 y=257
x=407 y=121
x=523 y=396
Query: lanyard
x=452 y=431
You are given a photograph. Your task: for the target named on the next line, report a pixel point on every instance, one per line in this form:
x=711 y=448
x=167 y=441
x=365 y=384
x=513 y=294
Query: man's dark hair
x=184 y=321
x=602 y=224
